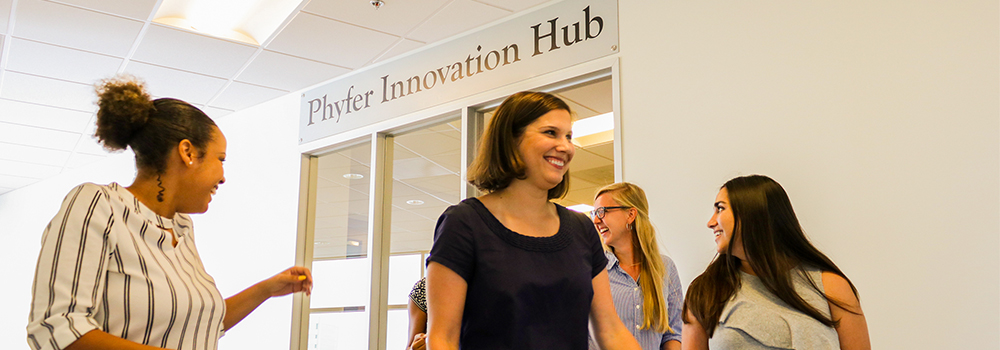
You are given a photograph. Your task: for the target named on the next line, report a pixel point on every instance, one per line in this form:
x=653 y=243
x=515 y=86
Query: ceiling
x=54 y=51
x=426 y=180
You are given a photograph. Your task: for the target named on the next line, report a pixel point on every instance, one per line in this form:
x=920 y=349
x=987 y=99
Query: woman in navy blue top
x=511 y=269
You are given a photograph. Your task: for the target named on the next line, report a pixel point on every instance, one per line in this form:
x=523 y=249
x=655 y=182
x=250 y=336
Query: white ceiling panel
x=5 y=190
x=456 y=18
x=22 y=169
x=286 y=72
x=165 y=82
x=8 y=181
x=38 y=137
x=89 y=144
x=513 y=5
x=59 y=62
x=595 y=96
x=48 y=117
x=322 y=39
x=77 y=28
x=137 y=9
x=192 y=52
x=395 y=17
x=241 y=95
x=59 y=93
x=83 y=159
x=36 y=155
x=4 y=15
x=402 y=47
x=214 y=113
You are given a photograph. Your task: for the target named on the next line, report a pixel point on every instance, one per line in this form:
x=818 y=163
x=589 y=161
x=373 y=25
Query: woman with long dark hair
x=769 y=287
x=511 y=269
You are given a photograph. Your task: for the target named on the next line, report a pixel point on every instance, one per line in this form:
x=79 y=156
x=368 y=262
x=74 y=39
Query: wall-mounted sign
x=537 y=42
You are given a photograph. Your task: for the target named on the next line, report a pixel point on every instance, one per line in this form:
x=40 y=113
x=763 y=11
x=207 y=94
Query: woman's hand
x=419 y=342
x=294 y=279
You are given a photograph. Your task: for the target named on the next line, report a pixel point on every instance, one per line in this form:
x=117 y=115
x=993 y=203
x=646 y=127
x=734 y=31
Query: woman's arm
x=99 y=340
x=445 y=305
x=294 y=279
x=418 y=325
x=609 y=331
x=852 y=328
x=693 y=335
x=675 y=304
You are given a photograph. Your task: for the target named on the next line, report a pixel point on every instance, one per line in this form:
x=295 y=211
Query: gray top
x=756 y=319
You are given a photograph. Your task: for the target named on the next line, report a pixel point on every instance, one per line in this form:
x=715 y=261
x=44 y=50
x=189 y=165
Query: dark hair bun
x=124 y=107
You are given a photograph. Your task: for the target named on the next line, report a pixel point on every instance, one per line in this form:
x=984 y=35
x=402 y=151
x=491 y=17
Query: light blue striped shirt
x=627 y=297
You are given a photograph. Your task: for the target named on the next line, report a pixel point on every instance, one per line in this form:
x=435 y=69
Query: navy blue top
x=523 y=292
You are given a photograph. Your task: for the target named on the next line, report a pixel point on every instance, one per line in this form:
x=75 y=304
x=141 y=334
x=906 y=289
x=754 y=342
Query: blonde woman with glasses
x=644 y=284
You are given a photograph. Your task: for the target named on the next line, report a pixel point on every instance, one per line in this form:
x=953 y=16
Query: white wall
x=247 y=235
x=880 y=119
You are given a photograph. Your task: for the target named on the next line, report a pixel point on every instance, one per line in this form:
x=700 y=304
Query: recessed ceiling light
x=354 y=242
x=321 y=243
x=415 y=202
x=593 y=125
x=353 y=176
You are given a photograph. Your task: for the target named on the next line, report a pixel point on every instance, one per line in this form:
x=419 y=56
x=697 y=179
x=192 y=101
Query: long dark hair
x=498 y=163
x=774 y=244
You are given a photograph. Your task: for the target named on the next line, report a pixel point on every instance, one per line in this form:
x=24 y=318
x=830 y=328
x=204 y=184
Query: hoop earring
x=628 y=226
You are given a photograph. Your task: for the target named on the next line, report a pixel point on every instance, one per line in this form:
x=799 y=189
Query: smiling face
x=614 y=226
x=546 y=150
x=203 y=176
x=723 y=225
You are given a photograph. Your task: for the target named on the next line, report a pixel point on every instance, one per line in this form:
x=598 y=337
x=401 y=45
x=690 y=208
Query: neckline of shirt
x=148 y=214
x=556 y=242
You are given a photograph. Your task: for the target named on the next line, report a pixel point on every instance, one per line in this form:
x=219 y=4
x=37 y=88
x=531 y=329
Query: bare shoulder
x=838 y=288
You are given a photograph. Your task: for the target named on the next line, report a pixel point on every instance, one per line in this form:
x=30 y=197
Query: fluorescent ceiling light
x=353 y=176
x=249 y=21
x=593 y=125
x=583 y=208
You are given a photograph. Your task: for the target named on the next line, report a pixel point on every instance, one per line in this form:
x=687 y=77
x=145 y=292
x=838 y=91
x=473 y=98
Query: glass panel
x=404 y=272
x=396 y=330
x=341 y=265
x=339 y=330
x=340 y=283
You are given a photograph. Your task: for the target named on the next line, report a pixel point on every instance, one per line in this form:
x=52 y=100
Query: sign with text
x=534 y=43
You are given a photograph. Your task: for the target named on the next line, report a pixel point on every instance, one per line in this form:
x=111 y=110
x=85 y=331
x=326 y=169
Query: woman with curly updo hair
x=118 y=268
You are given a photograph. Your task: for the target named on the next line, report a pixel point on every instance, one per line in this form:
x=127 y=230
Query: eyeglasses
x=600 y=211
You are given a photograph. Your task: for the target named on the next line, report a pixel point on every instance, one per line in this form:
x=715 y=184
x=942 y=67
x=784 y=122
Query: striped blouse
x=627 y=297
x=107 y=263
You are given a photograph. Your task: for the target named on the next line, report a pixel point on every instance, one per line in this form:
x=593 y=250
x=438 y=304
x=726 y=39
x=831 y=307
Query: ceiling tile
x=5 y=190
x=165 y=82
x=77 y=28
x=455 y=18
x=83 y=159
x=4 y=15
x=46 y=91
x=138 y=9
x=404 y=46
x=15 y=182
x=286 y=72
x=59 y=62
x=29 y=114
x=513 y=5
x=396 y=17
x=309 y=36
x=214 y=113
x=192 y=52
x=22 y=169
x=89 y=143
x=36 y=155
x=38 y=137
x=595 y=96
x=241 y=95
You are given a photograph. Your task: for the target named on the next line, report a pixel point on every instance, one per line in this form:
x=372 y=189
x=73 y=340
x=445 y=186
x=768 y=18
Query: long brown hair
x=775 y=246
x=498 y=162
x=645 y=247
